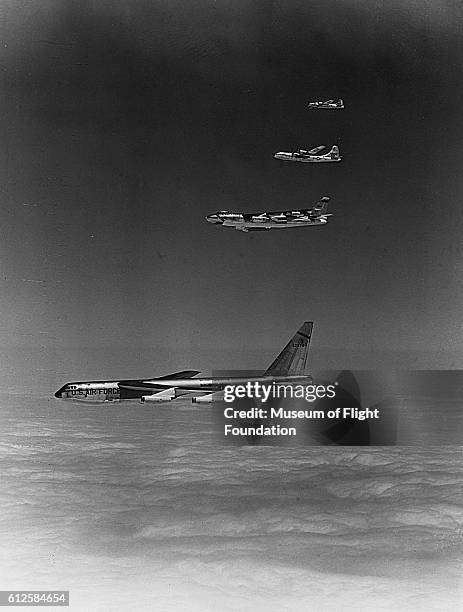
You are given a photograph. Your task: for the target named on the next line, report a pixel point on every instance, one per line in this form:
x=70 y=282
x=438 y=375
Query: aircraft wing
x=142 y=385
x=316 y=150
x=139 y=385
x=183 y=374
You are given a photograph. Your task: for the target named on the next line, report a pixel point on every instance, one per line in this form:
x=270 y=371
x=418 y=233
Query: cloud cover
x=144 y=506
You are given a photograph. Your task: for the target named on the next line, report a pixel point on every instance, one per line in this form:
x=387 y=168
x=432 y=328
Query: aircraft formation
x=265 y=220
x=288 y=367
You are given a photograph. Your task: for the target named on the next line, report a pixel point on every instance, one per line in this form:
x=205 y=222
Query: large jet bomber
x=327 y=104
x=288 y=367
x=262 y=221
x=311 y=156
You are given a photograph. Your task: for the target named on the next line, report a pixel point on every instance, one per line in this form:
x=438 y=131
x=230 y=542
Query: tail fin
x=321 y=207
x=333 y=152
x=292 y=359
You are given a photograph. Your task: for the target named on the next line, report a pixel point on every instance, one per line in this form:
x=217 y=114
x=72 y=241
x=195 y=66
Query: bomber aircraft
x=327 y=104
x=263 y=221
x=288 y=367
x=302 y=155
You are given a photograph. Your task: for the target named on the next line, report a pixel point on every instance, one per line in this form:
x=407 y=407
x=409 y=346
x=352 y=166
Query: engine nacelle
x=217 y=396
x=163 y=396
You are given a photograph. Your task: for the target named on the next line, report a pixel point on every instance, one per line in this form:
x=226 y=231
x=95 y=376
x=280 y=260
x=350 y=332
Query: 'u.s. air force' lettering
x=87 y=392
x=92 y=391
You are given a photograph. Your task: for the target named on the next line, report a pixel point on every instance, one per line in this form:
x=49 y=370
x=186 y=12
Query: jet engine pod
x=163 y=396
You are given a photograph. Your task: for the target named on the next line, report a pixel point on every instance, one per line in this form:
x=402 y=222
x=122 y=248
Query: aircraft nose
x=213 y=218
x=59 y=393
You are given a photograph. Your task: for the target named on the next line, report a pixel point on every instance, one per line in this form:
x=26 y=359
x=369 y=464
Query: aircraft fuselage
x=256 y=226
x=306 y=158
x=328 y=104
x=110 y=391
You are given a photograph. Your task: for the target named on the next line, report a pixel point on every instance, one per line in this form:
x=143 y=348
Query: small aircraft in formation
x=327 y=104
x=262 y=221
x=302 y=155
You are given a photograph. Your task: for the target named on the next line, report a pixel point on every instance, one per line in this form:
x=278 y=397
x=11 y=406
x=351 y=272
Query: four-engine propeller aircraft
x=302 y=155
x=327 y=104
x=262 y=221
x=289 y=366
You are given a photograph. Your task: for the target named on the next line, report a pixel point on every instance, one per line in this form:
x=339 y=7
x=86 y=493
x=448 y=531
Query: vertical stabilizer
x=292 y=359
x=321 y=207
x=333 y=152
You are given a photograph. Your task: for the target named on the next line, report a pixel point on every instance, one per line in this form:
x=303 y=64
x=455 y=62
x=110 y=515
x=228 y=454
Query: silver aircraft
x=262 y=221
x=289 y=366
x=327 y=104
x=302 y=155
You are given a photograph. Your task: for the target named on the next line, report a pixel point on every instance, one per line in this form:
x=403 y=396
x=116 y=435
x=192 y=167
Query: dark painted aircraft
x=289 y=366
x=327 y=104
x=263 y=221
x=302 y=155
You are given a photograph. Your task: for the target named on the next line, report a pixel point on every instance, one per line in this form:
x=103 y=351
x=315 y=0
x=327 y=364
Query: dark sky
x=125 y=123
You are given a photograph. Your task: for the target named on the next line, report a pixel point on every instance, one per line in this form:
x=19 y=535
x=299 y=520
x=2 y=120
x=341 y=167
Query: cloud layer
x=143 y=505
